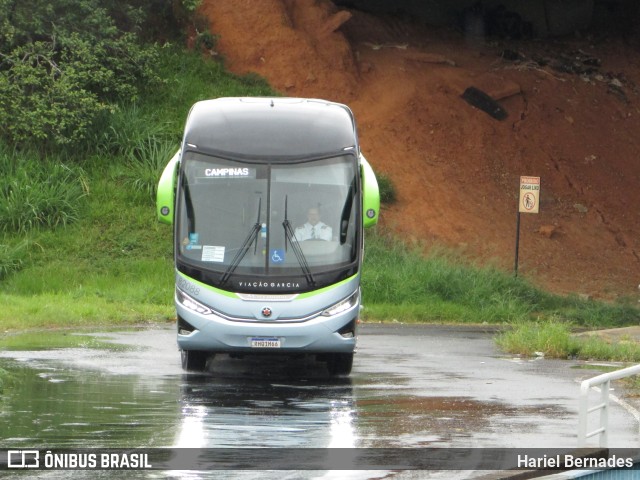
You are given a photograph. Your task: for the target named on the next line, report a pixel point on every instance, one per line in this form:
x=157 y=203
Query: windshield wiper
x=242 y=251
x=188 y=204
x=288 y=231
x=346 y=213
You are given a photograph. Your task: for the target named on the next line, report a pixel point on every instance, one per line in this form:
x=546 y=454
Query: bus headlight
x=191 y=304
x=343 y=305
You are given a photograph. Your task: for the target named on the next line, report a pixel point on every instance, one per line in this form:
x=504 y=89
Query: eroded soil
x=457 y=169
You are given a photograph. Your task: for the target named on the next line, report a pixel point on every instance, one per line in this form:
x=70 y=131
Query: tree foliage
x=64 y=62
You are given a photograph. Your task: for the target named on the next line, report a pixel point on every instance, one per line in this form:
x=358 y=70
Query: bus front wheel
x=194 y=360
x=340 y=363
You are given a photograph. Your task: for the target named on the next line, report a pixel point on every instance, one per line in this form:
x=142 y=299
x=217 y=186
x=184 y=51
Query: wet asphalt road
x=411 y=386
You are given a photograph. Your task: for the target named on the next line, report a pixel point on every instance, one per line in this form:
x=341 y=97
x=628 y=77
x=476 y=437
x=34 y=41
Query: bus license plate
x=265 y=343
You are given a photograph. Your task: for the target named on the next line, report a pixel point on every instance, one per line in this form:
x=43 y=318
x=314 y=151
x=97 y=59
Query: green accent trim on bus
x=300 y=296
x=325 y=289
x=165 y=198
x=370 y=194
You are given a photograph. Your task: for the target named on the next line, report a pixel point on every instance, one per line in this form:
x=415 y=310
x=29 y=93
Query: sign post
x=529 y=202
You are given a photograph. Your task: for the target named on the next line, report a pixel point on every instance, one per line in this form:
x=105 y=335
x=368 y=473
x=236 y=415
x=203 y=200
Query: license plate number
x=265 y=343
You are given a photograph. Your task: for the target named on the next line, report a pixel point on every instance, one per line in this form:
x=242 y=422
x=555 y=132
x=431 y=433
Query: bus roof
x=274 y=128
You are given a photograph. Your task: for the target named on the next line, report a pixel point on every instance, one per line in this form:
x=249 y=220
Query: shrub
x=387 y=189
x=61 y=64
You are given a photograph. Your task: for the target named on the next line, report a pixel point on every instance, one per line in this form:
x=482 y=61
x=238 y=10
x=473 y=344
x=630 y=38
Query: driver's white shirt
x=319 y=231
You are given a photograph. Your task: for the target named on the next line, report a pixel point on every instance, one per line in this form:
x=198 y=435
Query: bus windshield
x=238 y=218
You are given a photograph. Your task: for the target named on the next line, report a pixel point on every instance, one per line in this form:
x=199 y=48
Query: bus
x=268 y=198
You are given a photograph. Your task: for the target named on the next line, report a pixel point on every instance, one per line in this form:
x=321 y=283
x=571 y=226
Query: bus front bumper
x=211 y=333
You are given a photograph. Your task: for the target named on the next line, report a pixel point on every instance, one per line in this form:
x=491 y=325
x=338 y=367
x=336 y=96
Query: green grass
x=556 y=340
x=550 y=338
x=388 y=193
x=144 y=164
x=38 y=192
x=401 y=283
x=12 y=257
x=112 y=267
x=48 y=339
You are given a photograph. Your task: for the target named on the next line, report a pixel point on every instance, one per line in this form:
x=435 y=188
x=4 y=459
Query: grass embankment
x=80 y=246
x=401 y=284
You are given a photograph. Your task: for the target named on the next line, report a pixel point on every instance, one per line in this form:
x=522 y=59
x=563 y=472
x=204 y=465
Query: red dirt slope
x=456 y=168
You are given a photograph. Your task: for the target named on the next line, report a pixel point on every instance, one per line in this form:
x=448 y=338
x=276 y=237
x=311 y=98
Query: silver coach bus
x=268 y=198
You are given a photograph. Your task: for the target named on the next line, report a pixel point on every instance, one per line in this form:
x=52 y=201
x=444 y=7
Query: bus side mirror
x=165 y=198
x=370 y=194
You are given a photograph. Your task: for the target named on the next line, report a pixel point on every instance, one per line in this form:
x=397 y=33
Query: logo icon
x=23 y=459
x=266 y=312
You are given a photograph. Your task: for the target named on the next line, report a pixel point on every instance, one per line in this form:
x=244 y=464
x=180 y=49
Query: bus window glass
x=315 y=195
x=232 y=215
x=221 y=202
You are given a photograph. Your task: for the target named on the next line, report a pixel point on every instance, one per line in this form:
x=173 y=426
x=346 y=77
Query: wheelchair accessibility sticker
x=277 y=256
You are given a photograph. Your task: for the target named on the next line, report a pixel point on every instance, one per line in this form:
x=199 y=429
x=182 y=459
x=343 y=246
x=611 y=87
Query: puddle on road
x=245 y=403
x=56 y=406
x=53 y=406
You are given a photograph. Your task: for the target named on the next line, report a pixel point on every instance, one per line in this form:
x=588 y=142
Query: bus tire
x=340 y=363
x=194 y=360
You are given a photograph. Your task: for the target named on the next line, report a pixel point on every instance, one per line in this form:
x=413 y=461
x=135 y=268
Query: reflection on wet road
x=55 y=406
x=265 y=407
x=58 y=406
x=411 y=387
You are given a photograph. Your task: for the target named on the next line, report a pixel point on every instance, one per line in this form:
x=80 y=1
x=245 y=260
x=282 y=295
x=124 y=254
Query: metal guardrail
x=604 y=381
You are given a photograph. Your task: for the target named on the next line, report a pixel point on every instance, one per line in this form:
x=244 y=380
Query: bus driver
x=314 y=229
